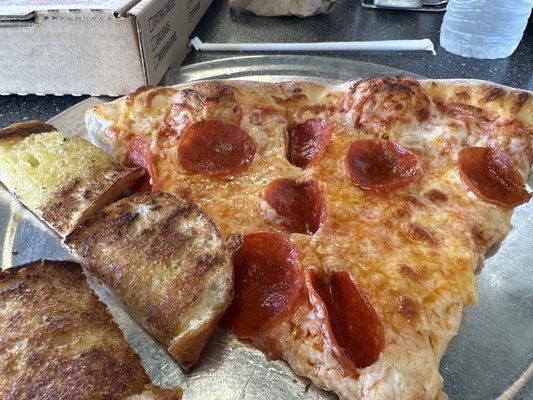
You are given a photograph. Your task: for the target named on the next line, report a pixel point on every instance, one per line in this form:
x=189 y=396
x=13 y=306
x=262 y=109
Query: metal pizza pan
x=490 y=358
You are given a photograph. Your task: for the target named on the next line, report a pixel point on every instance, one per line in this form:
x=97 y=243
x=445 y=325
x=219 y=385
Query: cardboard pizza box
x=96 y=47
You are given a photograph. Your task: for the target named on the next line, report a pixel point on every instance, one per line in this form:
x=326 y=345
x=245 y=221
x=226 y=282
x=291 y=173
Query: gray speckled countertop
x=347 y=21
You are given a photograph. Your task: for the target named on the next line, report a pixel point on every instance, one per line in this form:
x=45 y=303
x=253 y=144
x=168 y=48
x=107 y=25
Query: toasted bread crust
x=187 y=346
x=163 y=258
x=26 y=128
x=58 y=341
x=79 y=199
x=152 y=392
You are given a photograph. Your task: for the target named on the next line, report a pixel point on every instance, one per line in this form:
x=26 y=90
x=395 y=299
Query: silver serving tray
x=490 y=358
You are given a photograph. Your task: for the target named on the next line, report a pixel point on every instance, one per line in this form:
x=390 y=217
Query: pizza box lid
x=22 y=9
x=96 y=47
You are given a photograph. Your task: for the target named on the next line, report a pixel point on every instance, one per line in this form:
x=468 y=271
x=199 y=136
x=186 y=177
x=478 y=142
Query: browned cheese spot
x=479 y=237
x=409 y=272
x=407 y=308
x=163 y=91
x=418 y=234
x=436 y=196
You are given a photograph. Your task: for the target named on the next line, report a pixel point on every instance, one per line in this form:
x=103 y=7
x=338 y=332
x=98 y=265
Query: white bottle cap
x=399 y=3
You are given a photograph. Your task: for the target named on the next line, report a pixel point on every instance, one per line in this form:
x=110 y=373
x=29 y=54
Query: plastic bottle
x=484 y=28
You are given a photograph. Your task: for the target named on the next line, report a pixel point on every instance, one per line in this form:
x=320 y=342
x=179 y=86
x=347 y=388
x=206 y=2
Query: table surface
x=347 y=21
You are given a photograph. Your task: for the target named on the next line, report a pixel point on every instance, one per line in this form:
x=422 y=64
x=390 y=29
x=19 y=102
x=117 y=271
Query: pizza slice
x=61 y=178
x=411 y=209
x=166 y=261
x=364 y=233
x=58 y=341
x=233 y=143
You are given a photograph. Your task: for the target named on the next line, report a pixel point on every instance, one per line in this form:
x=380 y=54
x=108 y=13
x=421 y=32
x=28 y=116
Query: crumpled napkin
x=271 y=8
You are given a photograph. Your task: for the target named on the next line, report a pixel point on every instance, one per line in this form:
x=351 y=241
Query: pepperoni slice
x=139 y=156
x=300 y=206
x=349 y=323
x=215 y=147
x=492 y=175
x=267 y=285
x=142 y=185
x=306 y=141
x=320 y=299
x=380 y=165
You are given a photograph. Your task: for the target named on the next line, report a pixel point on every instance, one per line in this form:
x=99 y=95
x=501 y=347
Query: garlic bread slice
x=58 y=341
x=167 y=262
x=63 y=179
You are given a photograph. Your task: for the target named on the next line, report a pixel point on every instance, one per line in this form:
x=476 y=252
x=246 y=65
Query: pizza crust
x=491 y=97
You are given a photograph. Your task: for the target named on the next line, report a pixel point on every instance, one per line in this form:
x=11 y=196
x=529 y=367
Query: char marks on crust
x=518 y=101
x=206 y=92
x=495 y=98
x=515 y=99
x=380 y=103
x=132 y=97
x=490 y=121
x=61 y=178
x=204 y=101
x=62 y=203
x=458 y=109
x=492 y=93
x=461 y=96
x=99 y=371
x=63 y=208
x=26 y=128
x=291 y=99
x=158 y=241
